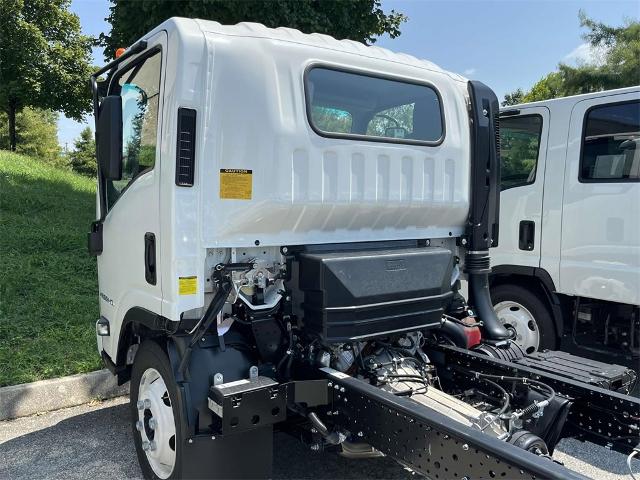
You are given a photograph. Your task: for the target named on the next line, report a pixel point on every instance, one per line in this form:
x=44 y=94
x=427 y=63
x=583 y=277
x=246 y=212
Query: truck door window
x=519 y=148
x=611 y=143
x=139 y=88
x=365 y=107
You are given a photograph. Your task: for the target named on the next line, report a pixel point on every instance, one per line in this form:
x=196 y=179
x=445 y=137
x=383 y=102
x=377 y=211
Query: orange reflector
x=120 y=51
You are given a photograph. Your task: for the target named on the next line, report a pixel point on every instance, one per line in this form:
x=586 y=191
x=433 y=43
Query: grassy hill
x=48 y=282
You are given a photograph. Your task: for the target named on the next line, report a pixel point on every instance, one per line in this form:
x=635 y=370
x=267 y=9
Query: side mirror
x=109 y=137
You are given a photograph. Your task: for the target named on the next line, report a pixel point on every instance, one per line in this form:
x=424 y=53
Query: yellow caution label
x=236 y=184
x=187 y=285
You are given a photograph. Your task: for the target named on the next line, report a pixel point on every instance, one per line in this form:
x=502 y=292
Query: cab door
x=128 y=280
x=600 y=246
x=523 y=153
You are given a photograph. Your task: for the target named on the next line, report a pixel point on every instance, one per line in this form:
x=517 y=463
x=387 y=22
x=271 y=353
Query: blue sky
x=506 y=44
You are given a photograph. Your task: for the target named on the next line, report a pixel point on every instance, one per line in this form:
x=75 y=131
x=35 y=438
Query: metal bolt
x=152 y=446
x=139 y=425
x=315 y=447
x=345 y=399
x=191 y=440
x=146 y=446
x=202 y=339
x=285 y=249
x=463 y=241
x=313 y=430
x=360 y=434
x=330 y=384
x=147 y=403
x=465 y=447
x=152 y=423
x=342 y=389
x=213 y=437
x=336 y=387
x=140 y=405
x=484 y=112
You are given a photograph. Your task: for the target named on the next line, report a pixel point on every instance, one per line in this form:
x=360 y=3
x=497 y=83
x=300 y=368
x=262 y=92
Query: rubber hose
x=491 y=328
x=454 y=332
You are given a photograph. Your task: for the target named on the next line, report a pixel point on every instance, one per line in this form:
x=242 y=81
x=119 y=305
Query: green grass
x=48 y=282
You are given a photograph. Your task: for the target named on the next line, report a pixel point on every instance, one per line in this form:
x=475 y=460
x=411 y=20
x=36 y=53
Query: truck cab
x=283 y=222
x=568 y=263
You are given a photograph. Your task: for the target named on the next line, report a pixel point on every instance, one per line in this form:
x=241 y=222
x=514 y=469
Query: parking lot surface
x=94 y=441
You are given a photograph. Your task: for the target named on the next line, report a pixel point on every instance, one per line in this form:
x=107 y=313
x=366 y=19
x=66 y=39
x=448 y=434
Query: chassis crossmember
x=427 y=441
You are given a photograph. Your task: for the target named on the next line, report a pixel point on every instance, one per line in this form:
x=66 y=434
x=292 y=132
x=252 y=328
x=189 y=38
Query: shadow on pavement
x=98 y=444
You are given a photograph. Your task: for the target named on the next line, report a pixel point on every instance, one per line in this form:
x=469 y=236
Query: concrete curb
x=43 y=396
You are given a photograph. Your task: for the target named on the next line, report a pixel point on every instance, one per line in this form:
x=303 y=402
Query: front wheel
x=525 y=313
x=154 y=414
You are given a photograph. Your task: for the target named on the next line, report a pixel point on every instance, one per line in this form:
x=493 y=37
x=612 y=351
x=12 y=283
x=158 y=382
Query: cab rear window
x=365 y=107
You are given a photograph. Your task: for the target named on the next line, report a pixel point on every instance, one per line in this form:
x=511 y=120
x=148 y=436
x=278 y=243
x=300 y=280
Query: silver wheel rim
x=516 y=317
x=156 y=424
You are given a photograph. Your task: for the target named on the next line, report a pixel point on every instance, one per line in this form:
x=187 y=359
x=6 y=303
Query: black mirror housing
x=109 y=137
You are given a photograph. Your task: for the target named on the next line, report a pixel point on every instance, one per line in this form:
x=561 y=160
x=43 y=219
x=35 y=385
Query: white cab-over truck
x=283 y=221
x=568 y=263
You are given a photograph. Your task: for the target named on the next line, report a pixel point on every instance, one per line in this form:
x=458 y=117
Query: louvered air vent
x=186 y=147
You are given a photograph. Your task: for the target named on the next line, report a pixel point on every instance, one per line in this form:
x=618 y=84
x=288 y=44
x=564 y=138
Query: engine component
x=408 y=376
x=477 y=265
x=529 y=442
x=349 y=295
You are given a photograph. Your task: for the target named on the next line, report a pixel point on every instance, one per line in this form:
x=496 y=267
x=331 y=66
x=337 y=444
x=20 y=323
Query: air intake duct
x=477 y=266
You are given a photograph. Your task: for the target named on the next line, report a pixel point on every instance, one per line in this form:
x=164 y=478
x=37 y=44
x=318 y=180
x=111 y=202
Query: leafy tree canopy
x=37 y=134
x=82 y=158
x=360 y=20
x=44 y=59
x=618 y=65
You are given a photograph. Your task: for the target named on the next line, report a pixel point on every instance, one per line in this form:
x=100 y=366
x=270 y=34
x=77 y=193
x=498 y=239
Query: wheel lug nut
x=152 y=446
x=152 y=423
x=146 y=446
x=147 y=403
x=139 y=425
x=140 y=405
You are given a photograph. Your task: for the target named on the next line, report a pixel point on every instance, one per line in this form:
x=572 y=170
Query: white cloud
x=469 y=71
x=585 y=54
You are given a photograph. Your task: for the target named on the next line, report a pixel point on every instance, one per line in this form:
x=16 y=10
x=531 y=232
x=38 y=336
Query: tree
x=360 y=20
x=82 y=158
x=44 y=60
x=618 y=65
x=513 y=98
x=37 y=134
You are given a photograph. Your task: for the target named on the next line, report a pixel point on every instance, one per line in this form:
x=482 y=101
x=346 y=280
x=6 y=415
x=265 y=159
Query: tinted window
x=519 y=147
x=611 y=143
x=138 y=88
x=349 y=104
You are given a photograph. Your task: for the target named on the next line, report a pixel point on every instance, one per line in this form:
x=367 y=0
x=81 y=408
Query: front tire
x=527 y=314
x=155 y=415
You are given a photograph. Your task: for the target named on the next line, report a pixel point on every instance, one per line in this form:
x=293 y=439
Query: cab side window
x=139 y=88
x=519 y=148
x=611 y=144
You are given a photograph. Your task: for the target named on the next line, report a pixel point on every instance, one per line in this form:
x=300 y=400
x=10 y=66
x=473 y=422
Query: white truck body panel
x=587 y=234
x=246 y=83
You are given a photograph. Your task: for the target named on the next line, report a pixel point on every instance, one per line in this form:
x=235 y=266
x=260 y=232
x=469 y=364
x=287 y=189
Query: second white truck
x=568 y=262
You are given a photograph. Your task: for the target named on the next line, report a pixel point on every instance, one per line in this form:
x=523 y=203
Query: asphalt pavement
x=94 y=441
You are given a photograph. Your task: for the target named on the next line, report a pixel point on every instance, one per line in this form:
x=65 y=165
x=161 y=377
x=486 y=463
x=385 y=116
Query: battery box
x=610 y=377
